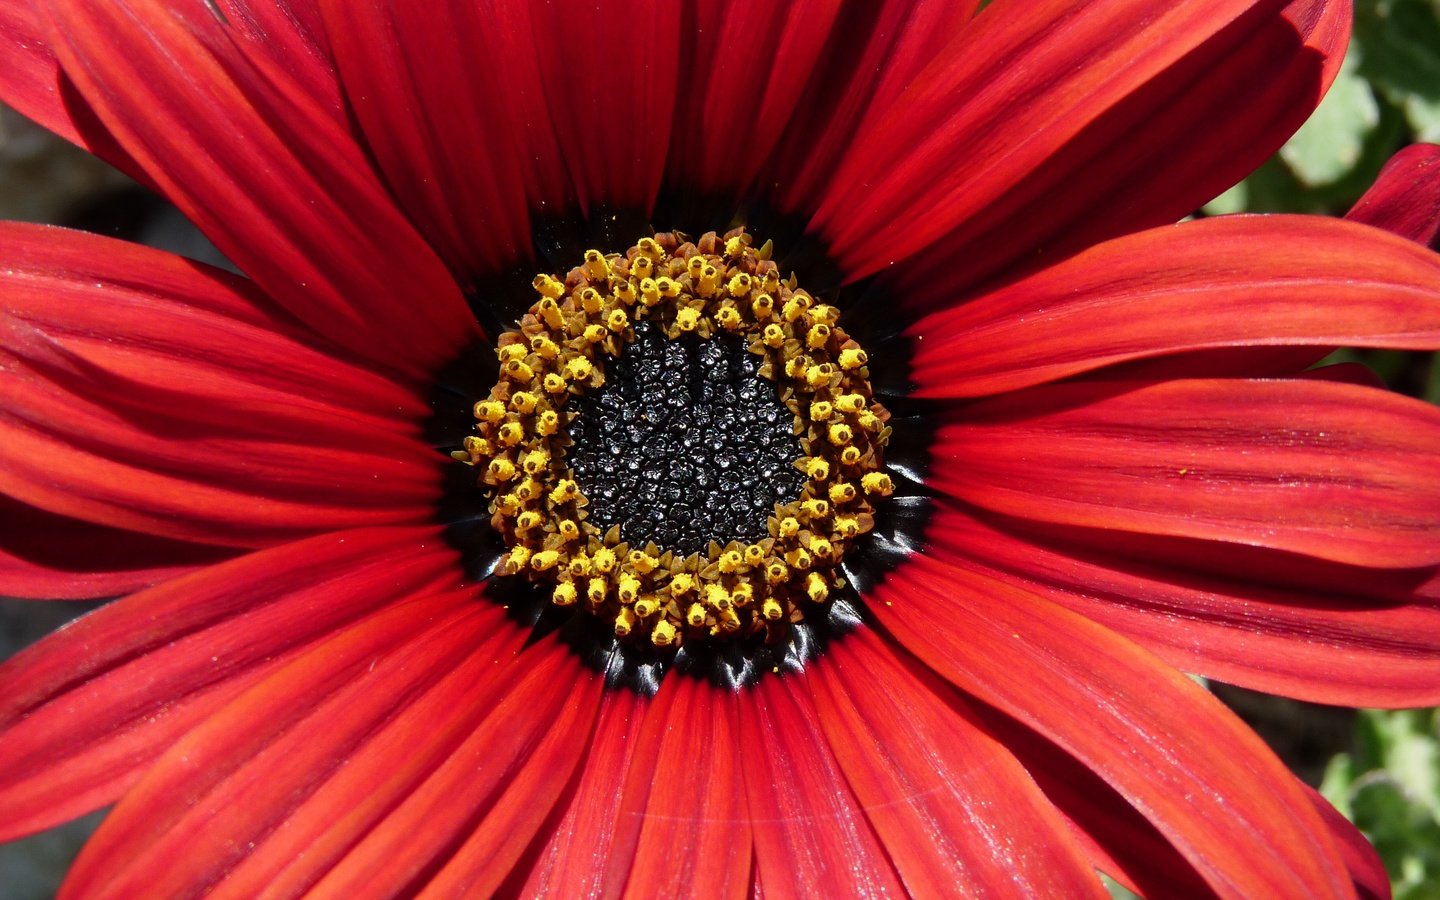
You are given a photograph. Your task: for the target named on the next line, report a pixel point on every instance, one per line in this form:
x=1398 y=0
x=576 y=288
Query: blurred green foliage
x=1390 y=788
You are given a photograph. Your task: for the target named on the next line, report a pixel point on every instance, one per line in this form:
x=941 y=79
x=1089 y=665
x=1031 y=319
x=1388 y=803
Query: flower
x=1111 y=461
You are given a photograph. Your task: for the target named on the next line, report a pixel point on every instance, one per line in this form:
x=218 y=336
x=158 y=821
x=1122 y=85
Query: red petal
x=356 y=758
x=31 y=79
x=1206 y=781
x=1366 y=868
x=430 y=92
x=876 y=51
x=150 y=394
x=1332 y=470
x=512 y=822
x=1224 y=282
x=48 y=557
x=208 y=802
x=694 y=838
x=613 y=122
x=744 y=68
x=491 y=793
x=811 y=835
x=276 y=182
x=1063 y=122
x=588 y=850
x=930 y=778
x=1405 y=198
x=1122 y=843
x=1297 y=627
x=86 y=710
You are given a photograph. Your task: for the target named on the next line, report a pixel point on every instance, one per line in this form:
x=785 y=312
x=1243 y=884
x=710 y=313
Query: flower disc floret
x=753 y=586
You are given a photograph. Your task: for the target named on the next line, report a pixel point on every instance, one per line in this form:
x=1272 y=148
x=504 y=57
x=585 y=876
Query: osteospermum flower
x=718 y=448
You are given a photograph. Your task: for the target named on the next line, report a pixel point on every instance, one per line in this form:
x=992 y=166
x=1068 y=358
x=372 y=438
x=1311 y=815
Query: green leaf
x=1395 y=41
x=1329 y=145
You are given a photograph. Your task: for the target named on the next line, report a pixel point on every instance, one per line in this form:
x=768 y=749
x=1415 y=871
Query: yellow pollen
x=519 y=556
x=491 y=411
x=628 y=588
x=624 y=621
x=776 y=572
x=510 y=434
x=564 y=594
x=579 y=368
x=603 y=560
x=595 y=265
x=686 y=319
x=642 y=562
x=877 y=483
x=744 y=586
x=815 y=509
x=550 y=312
x=663 y=634
x=716 y=597
x=850 y=403
x=549 y=287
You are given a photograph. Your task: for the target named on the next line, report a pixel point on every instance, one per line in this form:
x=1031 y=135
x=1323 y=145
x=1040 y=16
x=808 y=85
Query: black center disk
x=685 y=443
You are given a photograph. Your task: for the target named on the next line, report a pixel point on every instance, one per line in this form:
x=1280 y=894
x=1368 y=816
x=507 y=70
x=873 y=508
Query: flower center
x=684 y=444
x=681 y=443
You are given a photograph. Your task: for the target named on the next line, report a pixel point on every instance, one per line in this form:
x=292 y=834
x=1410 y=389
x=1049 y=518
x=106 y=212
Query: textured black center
x=684 y=444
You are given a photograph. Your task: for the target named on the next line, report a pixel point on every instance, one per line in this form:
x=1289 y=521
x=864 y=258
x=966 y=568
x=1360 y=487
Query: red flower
x=1112 y=464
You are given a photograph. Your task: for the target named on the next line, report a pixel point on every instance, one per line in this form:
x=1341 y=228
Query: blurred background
x=1381 y=769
